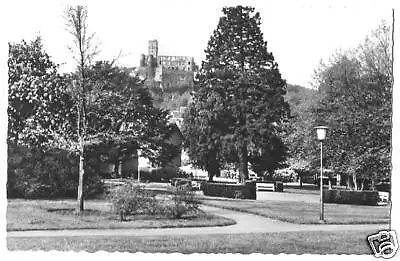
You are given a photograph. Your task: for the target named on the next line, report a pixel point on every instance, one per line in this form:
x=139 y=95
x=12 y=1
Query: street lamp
x=321 y=135
x=138 y=164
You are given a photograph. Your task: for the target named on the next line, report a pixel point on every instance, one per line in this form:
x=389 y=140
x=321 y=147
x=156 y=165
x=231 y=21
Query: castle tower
x=142 y=62
x=153 y=48
x=150 y=67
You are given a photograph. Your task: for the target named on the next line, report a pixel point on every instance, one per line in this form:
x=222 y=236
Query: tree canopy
x=120 y=110
x=356 y=103
x=239 y=105
x=38 y=102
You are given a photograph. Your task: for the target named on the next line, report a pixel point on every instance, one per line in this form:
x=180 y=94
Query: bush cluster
x=157 y=174
x=284 y=175
x=134 y=199
x=183 y=202
x=183 y=174
x=351 y=197
x=32 y=173
x=228 y=190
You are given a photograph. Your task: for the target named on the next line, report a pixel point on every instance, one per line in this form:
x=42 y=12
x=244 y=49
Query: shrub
x=147 y=175
x=351 y=197
x=183 y=174
x=184 y=202
x=278 y=186
x=284 y=175
x=227 y=190
x=133 y=199
x=383 y=186
x=32 y=173
x=157 y=174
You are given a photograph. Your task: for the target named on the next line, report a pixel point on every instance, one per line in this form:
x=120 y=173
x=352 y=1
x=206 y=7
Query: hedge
x=370 y=198
x=157 y=174
x=385 y=187
x=228 y=190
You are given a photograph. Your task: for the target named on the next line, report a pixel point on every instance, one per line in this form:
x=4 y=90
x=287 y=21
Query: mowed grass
x=346 y=242
x=306 y=213
x=307 y=188
x=52 y=214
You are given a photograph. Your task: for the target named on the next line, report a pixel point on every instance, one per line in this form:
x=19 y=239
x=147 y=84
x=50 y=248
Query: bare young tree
x=83 y=50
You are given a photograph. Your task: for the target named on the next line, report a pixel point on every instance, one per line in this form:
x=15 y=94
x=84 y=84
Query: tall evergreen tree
x=239 y=105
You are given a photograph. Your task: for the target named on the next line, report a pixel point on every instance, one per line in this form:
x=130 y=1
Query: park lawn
x=306 y=213
x=317 y=242
x=311 y=189
x=60 y=214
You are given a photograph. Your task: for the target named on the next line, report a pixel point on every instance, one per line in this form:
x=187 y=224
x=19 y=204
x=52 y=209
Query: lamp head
x=321 y=132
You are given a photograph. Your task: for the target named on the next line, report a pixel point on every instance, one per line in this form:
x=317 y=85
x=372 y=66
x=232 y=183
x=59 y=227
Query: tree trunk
x=348 y=183
x=115 y=172
x=80 y=184
x=213 y=171
x=218 y=173
x=373 y=184
x=120 y=168
x=243 y=165
x=301 y=181
x=355 y=182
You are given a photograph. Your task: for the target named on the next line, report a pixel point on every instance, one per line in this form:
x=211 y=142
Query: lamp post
x=321 y=135
x=138 y=165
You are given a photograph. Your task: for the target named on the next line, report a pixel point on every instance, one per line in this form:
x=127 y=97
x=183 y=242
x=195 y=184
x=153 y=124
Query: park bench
x=383 y=196
x=265 y=186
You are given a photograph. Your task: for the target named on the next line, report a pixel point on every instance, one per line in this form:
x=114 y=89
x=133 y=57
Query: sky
x=299 y=34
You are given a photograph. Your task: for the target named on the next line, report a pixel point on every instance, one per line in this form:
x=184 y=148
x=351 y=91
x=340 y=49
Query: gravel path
x=246 y=223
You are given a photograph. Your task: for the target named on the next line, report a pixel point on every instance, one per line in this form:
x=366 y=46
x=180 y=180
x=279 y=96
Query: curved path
x=246 y=223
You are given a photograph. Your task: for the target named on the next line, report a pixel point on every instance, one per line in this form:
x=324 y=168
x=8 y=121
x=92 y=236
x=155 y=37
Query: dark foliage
x=184 y=202
x=134 y=199
x=227 y=190
x=33 y=173
x=351 y=197
x=239 y=102
x=38 y=103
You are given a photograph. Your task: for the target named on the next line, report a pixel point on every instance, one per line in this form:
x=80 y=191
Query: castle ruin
x=165 y=71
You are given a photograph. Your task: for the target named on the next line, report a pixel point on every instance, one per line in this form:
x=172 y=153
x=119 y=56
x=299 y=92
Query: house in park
x=115 y=162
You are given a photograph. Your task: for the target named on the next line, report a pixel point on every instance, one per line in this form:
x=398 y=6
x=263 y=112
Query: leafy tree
x=356 y=102
x=84 y=51
x=37 y=99
x=299 y=134
x=239 y=104
x=39 y=109
x=110 y=106
x=121 y=111
x=170 y=99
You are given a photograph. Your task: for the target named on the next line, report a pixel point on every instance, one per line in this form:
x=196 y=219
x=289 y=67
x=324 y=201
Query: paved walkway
x=246 y=223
